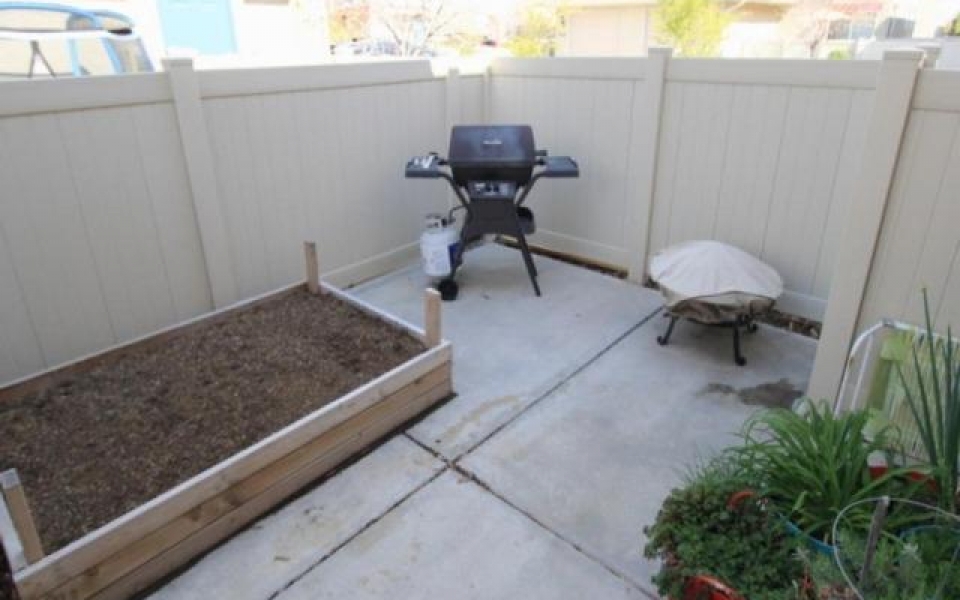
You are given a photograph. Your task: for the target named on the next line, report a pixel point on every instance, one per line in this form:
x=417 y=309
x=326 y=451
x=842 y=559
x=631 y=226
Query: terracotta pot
x=878 y=471
x=737 y=498
x=704 y=587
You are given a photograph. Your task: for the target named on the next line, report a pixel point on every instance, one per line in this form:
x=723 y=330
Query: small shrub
x=697 y=533
x=924 y=568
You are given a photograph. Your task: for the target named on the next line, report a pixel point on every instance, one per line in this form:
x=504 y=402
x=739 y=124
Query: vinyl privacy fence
x=132 y=203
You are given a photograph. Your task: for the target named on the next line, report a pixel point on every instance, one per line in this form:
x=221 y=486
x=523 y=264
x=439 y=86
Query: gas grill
x=492 y=169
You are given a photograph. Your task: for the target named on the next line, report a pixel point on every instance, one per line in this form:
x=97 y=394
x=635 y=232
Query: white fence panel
x=472 y=96
x=99 y=242
x=768 y=168
x=324 y=165
x=587 y=113
x=919 y=244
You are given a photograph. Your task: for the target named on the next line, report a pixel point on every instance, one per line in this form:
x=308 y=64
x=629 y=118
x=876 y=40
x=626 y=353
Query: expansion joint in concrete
x=560 y=383
x=358 y=532
x=467 y=474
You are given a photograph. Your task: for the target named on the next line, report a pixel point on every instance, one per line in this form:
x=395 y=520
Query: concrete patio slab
x=265 y=558
x=454 y=540
x=511 y=347
x=594 y=460
x=570 y=427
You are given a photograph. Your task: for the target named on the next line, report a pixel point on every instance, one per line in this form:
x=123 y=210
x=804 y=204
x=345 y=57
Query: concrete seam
x=447 y=462
x=358 y=532
x=464 y=472
x=563 y=380
x=452 y=464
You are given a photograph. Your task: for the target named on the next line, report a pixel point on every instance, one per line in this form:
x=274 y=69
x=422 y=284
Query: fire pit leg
x=737 y=356
x=665 y=338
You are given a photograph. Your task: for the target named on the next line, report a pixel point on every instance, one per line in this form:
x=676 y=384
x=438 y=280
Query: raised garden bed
x=136 y=460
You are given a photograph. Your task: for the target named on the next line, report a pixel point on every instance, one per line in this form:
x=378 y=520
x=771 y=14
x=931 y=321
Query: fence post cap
x=908 y=54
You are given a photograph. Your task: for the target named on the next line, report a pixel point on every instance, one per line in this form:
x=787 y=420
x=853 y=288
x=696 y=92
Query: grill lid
x=492 y=146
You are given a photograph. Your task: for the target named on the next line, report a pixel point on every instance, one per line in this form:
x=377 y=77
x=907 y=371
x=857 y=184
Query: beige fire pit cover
x=714 y=281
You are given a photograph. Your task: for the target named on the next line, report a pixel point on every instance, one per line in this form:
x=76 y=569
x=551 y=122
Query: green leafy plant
x=814 y=463
x=922 y=568
x=699 y=532
x=933 y=394
x=693 y=27
x=541 y=28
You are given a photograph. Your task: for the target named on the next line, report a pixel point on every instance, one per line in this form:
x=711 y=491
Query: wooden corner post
x=431 y=318
x=16 y=502
x=313 y=267
x=892 y=101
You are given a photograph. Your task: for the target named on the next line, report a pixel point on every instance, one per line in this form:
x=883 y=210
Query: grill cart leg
x=664 y=339
x=528 y=260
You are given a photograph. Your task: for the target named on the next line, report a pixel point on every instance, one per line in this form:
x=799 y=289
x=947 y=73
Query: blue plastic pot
x=812 y=542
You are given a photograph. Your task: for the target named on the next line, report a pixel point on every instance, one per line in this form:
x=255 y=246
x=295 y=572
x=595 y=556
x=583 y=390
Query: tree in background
x=541 y=26
x=417 y=25
x=692 y=27
x=953 y=28
x=349 y=20
x=808 y=23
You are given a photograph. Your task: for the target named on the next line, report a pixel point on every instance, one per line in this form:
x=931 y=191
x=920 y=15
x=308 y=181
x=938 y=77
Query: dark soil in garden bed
x=103 y=442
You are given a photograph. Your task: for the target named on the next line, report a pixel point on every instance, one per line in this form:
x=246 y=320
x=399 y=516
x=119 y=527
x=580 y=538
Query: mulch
x=103 y=442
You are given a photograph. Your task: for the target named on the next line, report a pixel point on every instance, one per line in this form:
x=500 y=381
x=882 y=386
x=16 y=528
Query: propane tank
x=438 y=244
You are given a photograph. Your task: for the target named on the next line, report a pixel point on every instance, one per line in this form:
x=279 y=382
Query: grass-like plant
x=812 y=463
x=933 y=395
x=919 y=568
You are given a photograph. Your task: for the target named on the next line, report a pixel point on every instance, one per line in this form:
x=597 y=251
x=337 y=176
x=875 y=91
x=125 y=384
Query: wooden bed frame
x=142 y=546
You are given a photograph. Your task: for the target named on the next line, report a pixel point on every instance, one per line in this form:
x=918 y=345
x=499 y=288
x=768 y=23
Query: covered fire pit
x=716 y=284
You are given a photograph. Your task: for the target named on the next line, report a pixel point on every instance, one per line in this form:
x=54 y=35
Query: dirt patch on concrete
x=776 y=394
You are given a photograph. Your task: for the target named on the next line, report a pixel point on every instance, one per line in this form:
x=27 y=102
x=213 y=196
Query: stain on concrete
x=504 y=403
x=776 y=394
x=719 y=388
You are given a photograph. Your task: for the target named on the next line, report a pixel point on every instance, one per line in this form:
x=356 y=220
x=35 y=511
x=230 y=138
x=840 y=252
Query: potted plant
x=811 y=463
x=713 y=549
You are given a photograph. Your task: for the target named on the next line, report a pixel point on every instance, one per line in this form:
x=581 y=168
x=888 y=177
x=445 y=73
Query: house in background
x=627 y=27
x=866 y=29
x=766 y=28
x=221 y=33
